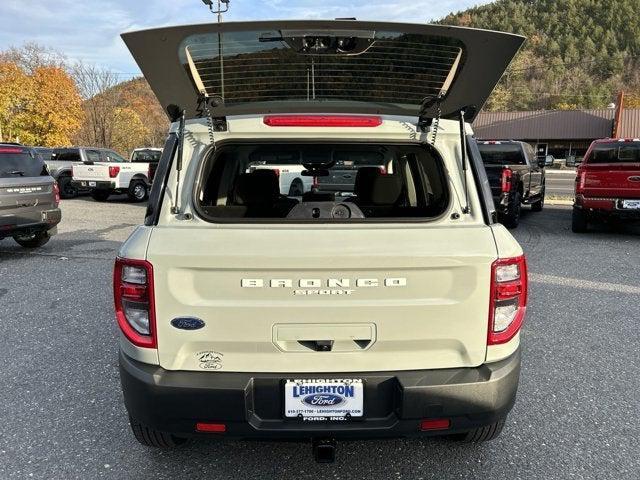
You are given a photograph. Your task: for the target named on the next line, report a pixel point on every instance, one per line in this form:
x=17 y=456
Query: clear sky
x=89 y=30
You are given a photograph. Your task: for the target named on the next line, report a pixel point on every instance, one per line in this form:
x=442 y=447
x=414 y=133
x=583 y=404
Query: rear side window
x=502 y=154
x=18 y=162
x=615 y=152
x=321 y=183
x=66 y=155
x=146 y=156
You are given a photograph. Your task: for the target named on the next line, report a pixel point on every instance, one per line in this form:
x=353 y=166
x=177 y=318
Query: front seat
x=259 y=193
x=377 y=194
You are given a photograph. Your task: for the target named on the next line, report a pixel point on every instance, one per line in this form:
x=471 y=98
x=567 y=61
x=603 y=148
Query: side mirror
x=571 y=161
x=548 y=162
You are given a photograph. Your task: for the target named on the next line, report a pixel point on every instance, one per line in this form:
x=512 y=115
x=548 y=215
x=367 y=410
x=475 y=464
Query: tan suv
x=392 y=308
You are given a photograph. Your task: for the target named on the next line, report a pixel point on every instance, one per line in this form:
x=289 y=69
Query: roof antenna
x=220 y=10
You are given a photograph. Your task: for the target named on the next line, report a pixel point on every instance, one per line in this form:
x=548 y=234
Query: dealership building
x=561 y=133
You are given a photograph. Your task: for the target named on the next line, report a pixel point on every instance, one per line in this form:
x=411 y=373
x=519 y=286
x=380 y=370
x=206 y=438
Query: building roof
x=547 y=124
x=630 y=124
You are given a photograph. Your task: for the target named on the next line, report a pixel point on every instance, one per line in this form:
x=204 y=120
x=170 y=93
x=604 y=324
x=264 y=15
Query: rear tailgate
x=22 y=200
x=96 y=171
x=266 y=294
x=613 y=180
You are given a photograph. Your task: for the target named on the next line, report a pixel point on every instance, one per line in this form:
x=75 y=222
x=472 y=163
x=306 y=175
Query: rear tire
x=154 y=438
x=512 y=218
x=482 y=434
x=67 y=190
x=35 y=240
x=138 y=191
x=579 y=221
x=100 y=195
x=297 y=188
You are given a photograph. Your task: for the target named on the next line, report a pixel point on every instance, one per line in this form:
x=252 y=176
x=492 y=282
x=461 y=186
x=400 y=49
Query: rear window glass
x=20 y=162
x=66 y=155
x=321 y=183
x=146 y=156
x=502 y=154
x=615 y=152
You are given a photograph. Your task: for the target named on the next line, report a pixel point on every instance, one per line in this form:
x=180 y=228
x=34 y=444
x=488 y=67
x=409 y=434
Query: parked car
x=341 y=178
x=394 y=312
x=112 y=174
x=608 y=183
x=29 y=197
x=287 y=167
x=516 y=176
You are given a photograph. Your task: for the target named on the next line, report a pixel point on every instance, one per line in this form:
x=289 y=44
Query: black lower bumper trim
x=252 y=405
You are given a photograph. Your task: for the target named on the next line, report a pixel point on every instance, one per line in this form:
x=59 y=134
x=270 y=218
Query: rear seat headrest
x=257 y=187
x=373 y=187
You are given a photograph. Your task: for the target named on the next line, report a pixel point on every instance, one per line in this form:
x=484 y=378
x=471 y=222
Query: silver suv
x=29 y=197
x=390 y=306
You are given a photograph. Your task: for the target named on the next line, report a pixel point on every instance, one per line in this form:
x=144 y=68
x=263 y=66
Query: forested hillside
x=579 y=53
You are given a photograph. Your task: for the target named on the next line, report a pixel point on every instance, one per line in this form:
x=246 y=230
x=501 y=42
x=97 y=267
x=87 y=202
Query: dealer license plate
x=631 y=204
x=330 y=400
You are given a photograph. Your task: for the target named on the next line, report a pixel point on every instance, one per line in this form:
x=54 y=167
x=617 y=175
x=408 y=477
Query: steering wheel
x=325 y=211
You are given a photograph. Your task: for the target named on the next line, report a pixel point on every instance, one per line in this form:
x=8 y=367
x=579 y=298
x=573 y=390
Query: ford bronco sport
x=392 y=310
x=29 y=197
x=608 y=183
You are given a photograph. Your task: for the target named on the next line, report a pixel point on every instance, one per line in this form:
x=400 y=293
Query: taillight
x=508 y=303
x=277 y=172
x=134 y=301
x=113 y=172
x=507 y=174
x=322 y=121
x=56 y=194
x=581 y=180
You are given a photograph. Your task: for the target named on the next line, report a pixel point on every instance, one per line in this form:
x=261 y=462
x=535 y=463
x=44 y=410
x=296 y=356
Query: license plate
x=92 y=184
x=330 y=400
x=631 y=204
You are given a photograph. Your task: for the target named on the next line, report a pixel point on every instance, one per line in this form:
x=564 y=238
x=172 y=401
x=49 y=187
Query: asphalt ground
x=577 y=415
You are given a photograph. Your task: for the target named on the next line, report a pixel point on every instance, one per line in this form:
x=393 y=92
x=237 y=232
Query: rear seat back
x=377 y=194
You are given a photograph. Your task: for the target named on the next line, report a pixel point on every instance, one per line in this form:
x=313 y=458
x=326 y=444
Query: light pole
x=223 y=7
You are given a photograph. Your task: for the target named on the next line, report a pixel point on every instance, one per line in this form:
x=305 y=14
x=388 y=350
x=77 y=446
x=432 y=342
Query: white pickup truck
x=116 y=175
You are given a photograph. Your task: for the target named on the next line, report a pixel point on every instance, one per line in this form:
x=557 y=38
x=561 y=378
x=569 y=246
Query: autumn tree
x=15 y=95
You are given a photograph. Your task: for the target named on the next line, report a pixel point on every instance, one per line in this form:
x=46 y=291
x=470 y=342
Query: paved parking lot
x=577 y=415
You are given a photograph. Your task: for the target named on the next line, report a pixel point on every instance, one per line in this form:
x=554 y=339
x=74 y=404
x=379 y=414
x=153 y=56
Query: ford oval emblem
x=187 y=323
x=323 y=400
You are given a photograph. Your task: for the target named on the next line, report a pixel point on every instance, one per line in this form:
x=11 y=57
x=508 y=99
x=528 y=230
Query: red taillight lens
x=56 y=193
x=277 y=172
x=11 y=150
x=508 y=303
x=581 y=180
x=322 y=121
x=134 y=301
x=113 y=172
x=507 y=174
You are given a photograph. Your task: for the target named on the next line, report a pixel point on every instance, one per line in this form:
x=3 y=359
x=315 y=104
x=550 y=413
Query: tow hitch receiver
x=324 y=450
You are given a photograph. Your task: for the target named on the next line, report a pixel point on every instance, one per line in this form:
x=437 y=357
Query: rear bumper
x=252 y=405
x=15 y=224
x=99 y=184
x=609 y=207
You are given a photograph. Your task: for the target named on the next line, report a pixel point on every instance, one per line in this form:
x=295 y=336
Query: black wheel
x=153 y=438
x=67 y=190
x=297 y=188
x=579 y=221
x=483 y=434
x=100 y=195
x=33 y=240
x=137 y=191
x=539 y=205
x=512 y=218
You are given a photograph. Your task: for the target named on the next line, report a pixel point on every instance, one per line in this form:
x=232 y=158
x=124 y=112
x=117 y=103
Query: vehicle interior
x=242 y=183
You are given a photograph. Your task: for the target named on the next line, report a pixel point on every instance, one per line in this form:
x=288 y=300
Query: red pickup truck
x=608 y=183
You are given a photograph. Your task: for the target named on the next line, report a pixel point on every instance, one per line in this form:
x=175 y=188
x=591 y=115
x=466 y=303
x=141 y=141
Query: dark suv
x=29 y=197
x=516 y=177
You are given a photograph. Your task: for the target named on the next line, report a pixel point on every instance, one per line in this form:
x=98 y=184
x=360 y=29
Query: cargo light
x=508 y=303
x=507 y=175
x=205 y=427
x=322 y=121
x=435 y=424
x=113 y=172
x=134 y=301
